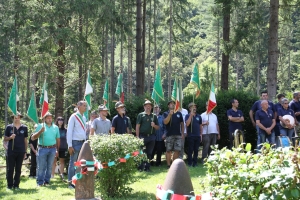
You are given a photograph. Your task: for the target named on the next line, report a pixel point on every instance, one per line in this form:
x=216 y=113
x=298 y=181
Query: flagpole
x=13 y=144
x=152 y=118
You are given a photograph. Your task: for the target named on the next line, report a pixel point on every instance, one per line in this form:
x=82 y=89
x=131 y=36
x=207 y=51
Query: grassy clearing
x=144 y=188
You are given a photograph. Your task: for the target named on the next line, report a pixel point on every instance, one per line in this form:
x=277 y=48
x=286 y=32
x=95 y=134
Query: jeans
x=277 y=129
x=286 y=132
x=14 y=164
x=45 y=158
x=263 y=136
x=194 y=143
x=73 y=158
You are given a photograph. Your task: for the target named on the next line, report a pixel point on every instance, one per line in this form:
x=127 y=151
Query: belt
x=48 y=147
x=79 y=140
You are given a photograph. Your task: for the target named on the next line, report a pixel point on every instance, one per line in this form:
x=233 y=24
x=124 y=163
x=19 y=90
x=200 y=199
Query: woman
x=285 y=128
x=62 y=152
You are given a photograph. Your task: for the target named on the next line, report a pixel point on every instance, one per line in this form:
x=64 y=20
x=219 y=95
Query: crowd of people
x=159 y=131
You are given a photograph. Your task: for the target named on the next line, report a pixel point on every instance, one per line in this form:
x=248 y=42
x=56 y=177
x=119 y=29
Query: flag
x=119 y=89
x=195 y=79
x=212 y=102
x=87 y=94
x=14 y=98
x=32 y=111
x=106 y=96
x=157 y=93
x=176 y=95
x=44 y=100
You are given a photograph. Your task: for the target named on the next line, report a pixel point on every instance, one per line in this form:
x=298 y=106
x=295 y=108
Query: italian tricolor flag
x=212 y=102
x=176 y=95
x=87 y=94
x=44 y=100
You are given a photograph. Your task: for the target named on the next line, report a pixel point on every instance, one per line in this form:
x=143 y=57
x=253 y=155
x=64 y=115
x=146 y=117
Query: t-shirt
x=193 y=130
x=295 y=106
x=63 y=139
x=21 y=134
x=184 y=112
x=49 y=136
x=101 y=126
x=145 y=124
x=277 y=107
x=120 y=124
x=234 y=125
x=212 y=126
x=257 y=106
x=173 y=127
x=265 y=118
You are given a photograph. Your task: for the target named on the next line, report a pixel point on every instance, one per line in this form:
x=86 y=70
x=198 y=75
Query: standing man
x=101 y=125
x=146 y=126
x=88 y=125
x=48 y=145
x=159 y=142
x=120 y=121
x=235 y=118
x=175 y=132
x=33 y=153
x=295 y=105
x=16 y=135
x=193 y=123
x=210 y=132
x=286 y=129
x=278 y=106
x=265 y=120
x=184 y=112
x=76 y=137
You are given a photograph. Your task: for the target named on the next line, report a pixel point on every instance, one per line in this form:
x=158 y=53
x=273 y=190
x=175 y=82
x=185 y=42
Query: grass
x=144 y=188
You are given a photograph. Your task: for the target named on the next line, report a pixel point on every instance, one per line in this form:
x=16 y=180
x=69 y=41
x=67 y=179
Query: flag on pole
x=212 y=102
x=195 y=79
x=176 y=95
x=44 y=100
x=157 y=93
x=87 y=94
x=119 y=88
x=32 y=111
x=106 y=96
x=14 y=98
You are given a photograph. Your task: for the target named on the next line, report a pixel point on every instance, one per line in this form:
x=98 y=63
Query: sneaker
x=71 y=186
x=38 y=185
x=31 y=177
x=16 y=188
x=46 y=184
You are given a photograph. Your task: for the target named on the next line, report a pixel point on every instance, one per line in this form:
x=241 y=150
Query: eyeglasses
x=285 y=103
x=60 y=119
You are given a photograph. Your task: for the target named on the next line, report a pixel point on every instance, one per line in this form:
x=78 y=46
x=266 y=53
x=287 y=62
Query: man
x=235 y=118
x=265 y=120
x=88 y=125
x=278 y=106
x=101 y=125
x=76 y=136
x=210 y=132
x=295 y=105
x=285 y=128
x=16 y=135
x=146 y=126
x=193 y=123
x=48 y=145
x=33 y=153
x=175 y=132
x=159 y=142
x=120 y=121
x=184 y=112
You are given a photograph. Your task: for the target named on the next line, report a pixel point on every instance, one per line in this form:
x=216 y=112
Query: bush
x=273 y=174
x=113 y=181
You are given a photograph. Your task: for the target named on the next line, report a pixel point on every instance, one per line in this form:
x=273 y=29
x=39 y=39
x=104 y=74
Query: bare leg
x=53 y=167
x=61 y=165
x=175 y=155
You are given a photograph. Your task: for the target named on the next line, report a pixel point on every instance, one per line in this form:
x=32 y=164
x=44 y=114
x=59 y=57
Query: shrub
x=273 y=174
x=113 y=181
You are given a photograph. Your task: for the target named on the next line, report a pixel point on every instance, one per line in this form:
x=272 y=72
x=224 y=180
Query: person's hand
x=219 y=136
x=71 y=150
x=268 y=130
x=192 y=114
x=253 y=123
x=42 y=129
x=163 y=136
x=152 y=124
x=13 y=136
x=56 y=154
x=206 y=123
x=171 y=112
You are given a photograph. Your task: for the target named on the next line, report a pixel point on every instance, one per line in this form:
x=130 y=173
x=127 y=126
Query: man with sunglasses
x=120 y=121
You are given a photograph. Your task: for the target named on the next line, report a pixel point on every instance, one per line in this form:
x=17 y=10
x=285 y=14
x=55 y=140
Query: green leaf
x=295 y=193
x=248 y=147
x=267 y=145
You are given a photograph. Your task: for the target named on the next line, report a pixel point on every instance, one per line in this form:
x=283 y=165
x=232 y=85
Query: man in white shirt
x=210 y=132
x=76 y=136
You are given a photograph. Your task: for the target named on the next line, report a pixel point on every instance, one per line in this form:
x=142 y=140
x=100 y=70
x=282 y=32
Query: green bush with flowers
x=113 y=181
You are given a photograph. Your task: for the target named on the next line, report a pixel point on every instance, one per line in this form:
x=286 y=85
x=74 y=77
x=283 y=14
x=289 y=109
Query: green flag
x=13 y=98
x=174 y=91
x=157 y=93
x=32 y=111
x=195 y=79
x=106 y=96
x=87 y=95
x=119 y=88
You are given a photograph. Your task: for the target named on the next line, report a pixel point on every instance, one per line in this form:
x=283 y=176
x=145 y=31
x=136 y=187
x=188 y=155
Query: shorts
x=173 y=143
x=62 y=154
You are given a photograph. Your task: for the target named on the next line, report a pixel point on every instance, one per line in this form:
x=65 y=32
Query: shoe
x=9 y=188
x=31 y=176
x=62 y=177
x=16 y=188
x=148 y=170
x=46 y=184
x=38 y=185
x=189 y=165
x=71 y=186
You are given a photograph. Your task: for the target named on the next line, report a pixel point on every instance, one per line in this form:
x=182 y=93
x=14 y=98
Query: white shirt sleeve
x=70 y=130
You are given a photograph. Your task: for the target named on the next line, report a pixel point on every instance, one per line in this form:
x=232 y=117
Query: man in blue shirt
x=235 y=118
x=193 y=123
x=175 y=132
x=120 y=121
x=295 y=105
x=278 y=106
x=286 y=129
x=265 y=120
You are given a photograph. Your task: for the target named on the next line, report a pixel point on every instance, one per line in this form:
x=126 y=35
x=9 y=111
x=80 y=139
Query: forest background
x=248 y=45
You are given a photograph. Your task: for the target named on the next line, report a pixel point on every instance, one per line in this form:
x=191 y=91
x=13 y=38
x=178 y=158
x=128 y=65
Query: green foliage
x=273 y=174
x=113 y=181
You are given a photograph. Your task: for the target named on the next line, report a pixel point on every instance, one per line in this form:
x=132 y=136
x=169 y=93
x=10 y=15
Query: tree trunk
x=80 y=61
x=112 y=63
x=225 y=55
x=139 y=60
x=144 y=42
x=170 y=49
x=273 y=49
x=149 y=50
x=218 y=55
x=258 y=75
x=6 y=94
x=60 y=82
x=28 y=91
x=154 y=35
x=129 y=74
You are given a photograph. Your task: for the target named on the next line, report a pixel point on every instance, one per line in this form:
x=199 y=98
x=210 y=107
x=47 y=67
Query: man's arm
x=112 y=130
x=37 y=134
x=92 y=131
x=260 y=125
x=218 y=129
x=189 y=120
x=57 y=143
x=168 y=118
x=26 y=144
x=137 y=130
x=70 y=130
x=251 y=117
x=236 y=119
x=182 y=129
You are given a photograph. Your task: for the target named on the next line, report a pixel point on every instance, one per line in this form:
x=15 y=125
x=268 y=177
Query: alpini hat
x=47 y=114
x=148 y=102
x=102 y=108
x=119 y=104
x=192 y=104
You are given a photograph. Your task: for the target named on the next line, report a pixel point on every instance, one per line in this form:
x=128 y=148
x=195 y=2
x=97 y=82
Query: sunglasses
x=60 y=119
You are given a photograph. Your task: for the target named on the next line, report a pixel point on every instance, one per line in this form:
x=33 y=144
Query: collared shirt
x=265 y=118
x=193 y=130
x=173 y=127
x=161 y=130
x=257 y=106
x=101 y=126
x=234 y=125
x=19 y=143
x=295 y=106
x=277 y=107
x=120 y=124
x=76 y=128
x=144 y=120
x=212 y=126
x=184 y=112
x=49 y=136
